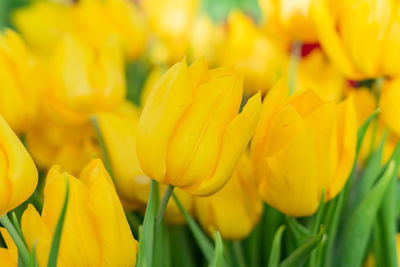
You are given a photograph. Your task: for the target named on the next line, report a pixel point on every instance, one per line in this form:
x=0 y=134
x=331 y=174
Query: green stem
x=163 y=204
x=106 y=158
x=5 y=221
x=295 y=55
x=238 y=253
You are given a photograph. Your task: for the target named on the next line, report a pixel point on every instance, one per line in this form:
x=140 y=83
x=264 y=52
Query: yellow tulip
x=205 y=39
x=9 y=255
x=171 y=22
x=290 y=18
x=18 y=174
x=254 y=55
x=236 y=208
x=42 y=24
x=303 y=145
x=118 y=130
x=389 y=104
x=315 y=72
x=85 y=81
x=189 y=134
x=51 y=142
x=95 y=230
x=17 y=82
x=360 y=36
x=97 y=20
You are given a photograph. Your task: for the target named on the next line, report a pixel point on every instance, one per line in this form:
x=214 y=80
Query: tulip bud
x=236 y=208
x=118 y=130
x=84 y=81
x=17 y=82
x=9 y=255
x=18 y=174
x=291 y=18
x=51 y=142
x=95 y=230
x=360 y=50
x=255 y=56
x=303 y=145
x=189 y=134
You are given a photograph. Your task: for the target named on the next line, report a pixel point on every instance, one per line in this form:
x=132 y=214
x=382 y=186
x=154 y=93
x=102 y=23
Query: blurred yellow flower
x=254 y=55
x=360 y=36
x=171 y=22
x=390 y=104
x=44 y=23
x=206 y=39
x=9 y=255
x=18 y=85
x=236 y=208
x=18 y=174
x=95 y=230
x=189 y=134
x=303 y=145
x=118 y=130
x=51 y=142
x=84 y=81
x=316 y=72
x=290 y=18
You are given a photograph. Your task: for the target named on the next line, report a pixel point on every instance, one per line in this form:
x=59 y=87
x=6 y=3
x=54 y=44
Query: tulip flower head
x=190 y=134
x=18 y=174
x=17 y=82
x=95 y=230
x=303 y=145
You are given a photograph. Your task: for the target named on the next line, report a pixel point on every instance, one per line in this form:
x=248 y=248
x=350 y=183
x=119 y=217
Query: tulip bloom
x=95 y=230
x=290 y=18
x=236 y=208
x=84 y=81
x=255 y=56
x=389 y=104
x=51 y=142
x=303 y=145
x=118 y=130
x=189 y=134
x=18 y=176
x=9 y=255
x=17 y=82
x=360 y=37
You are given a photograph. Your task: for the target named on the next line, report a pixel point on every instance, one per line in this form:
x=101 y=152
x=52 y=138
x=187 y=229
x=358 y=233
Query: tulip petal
x=236 y=138
x=118 y=245
x=290 y=184
x=164 y=108
x=389 y=104
x=330 y=40
x=21 y=172
x=194 y=148
x=35 y=230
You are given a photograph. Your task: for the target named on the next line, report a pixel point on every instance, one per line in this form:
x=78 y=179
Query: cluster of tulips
x=155 y=133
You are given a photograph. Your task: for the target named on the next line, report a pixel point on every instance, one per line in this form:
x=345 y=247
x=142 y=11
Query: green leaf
x=182 y=250
x=275 y=254
x=300 y=232
x=162 y=249
x=252 y=246
x=301 y=254
x=387 y=223
x=370 y=173
x=146 y=241
x=55 y=244
x=17 y=227
x=271 y=220
x=202 y=240
x=218 y=256
x=357 y=230
x=32 y=254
